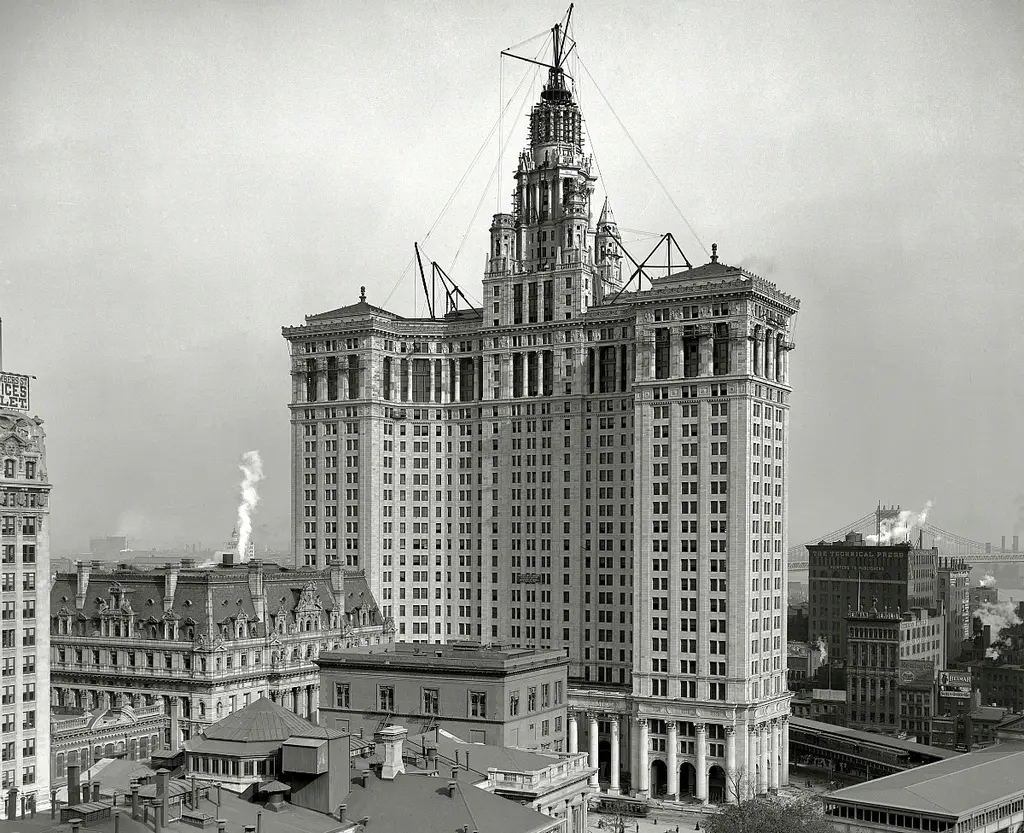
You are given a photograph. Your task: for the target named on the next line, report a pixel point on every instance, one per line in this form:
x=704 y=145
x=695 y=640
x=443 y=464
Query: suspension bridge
x=928 y=535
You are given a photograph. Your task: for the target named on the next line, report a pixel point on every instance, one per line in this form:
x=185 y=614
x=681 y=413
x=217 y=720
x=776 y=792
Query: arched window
x=202 y=710
x=60 y=765
x=220 y=709
x=9 y=468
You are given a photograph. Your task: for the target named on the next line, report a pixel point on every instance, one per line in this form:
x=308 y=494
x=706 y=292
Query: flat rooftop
x=954 y=787
x=470 y=657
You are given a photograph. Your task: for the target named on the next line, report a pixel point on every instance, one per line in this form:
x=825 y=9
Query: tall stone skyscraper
x=24 y=601
x=576 y=467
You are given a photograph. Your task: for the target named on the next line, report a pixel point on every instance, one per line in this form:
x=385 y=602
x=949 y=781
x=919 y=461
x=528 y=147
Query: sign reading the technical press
x=955 y=684
x=14 y=391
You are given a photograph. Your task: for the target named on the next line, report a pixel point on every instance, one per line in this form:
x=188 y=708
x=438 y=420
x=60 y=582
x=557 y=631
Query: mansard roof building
x=202 y=640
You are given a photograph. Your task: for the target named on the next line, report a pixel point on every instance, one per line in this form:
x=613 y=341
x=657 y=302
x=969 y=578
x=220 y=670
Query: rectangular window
x=387 y=699
x=477 y=704
x=341 y=695
x=431 y=701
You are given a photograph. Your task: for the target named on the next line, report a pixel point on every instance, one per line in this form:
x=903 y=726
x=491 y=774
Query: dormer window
x=9 y=468
x=30 y=469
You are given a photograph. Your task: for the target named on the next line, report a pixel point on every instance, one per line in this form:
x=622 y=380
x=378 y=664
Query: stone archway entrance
x=716 y=784
x=659 y=778
x=687 y=780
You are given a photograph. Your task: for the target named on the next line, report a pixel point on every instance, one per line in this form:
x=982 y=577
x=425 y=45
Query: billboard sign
x=955 y=684
x=917 y=672
x=14 y=391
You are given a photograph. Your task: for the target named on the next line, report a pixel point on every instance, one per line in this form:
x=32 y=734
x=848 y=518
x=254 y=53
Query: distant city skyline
x=182 y=181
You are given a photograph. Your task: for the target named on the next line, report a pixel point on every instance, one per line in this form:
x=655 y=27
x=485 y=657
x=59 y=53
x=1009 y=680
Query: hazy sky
x=179 y=180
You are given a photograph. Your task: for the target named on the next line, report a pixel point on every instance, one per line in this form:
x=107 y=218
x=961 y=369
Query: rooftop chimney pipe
x=451 y=788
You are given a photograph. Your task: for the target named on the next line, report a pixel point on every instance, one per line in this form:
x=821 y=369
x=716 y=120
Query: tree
x=736 y=784
x=769 y=814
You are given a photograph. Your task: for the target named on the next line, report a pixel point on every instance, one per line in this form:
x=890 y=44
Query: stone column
x=776 y=739
x=645 y=757
x=506 y=375
x=673 y=759
x=755 y=352
x=702 y=762
x=784 y=774
x=574 y=733
x=592 y=738
x=705 y=351
x=762 y=773
x=430 y=380
x=750 y=782
x=769 y=355
x=457 y=370
x=613 y=786
x=446 y=381
x=731 y=785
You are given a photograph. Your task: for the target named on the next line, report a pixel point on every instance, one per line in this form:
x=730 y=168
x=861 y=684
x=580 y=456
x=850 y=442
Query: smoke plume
x=998 y=616
x=986 y=581
x=252 y=473
x=897 y=529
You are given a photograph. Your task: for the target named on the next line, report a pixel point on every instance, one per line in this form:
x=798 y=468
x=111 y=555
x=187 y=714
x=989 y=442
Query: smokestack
x=1016 y=543
x=451 y=788
x=391 y=737
x=135 y=800
x=341 y=811
x=74 y=795
x=1002 y=546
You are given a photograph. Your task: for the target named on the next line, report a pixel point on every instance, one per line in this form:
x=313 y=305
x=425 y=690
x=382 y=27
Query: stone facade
x=24 y=609
x=83 y=739
x=580 y=464
x=852 y=574
x=202 y=641
x=501 y=697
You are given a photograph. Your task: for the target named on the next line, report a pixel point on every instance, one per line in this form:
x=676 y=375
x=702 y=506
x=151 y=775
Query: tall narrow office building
x=579 y=464
x=24 y=602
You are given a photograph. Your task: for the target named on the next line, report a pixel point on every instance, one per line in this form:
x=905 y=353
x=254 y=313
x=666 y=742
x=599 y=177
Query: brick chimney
x=162 y=780
x=391 y=738
x=170 y=583
x=83 y=569
x=337 y=576
x=259 y=599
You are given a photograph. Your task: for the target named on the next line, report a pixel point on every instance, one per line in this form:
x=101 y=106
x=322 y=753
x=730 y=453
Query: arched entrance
x=716 y=784
x=687 y=780
x=659 y=778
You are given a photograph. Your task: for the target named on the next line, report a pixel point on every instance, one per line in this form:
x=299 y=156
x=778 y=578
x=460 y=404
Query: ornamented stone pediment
x=199 y=643
x=190 y=621
x=308 y=601
x=219 y=644
x=64 y=613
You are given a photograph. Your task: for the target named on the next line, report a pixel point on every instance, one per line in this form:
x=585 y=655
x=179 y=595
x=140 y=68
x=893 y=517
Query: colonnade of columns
x=302 y=700
x=770 y=359
x=765 y=768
